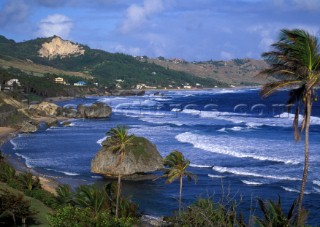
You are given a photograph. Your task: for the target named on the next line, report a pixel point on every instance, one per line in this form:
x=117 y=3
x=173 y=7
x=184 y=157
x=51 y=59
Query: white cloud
x=14 y=11
x=135 y=51
x=137 y=15
x=311 y=5
x=266 y=34
x=55 y=24
x=226 y=55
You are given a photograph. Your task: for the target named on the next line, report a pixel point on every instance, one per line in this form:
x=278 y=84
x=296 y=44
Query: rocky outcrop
x=141 y=157
x=28 y=127
x=96 y=110
x=45 y=109
x=61 y=48
x=128 y=92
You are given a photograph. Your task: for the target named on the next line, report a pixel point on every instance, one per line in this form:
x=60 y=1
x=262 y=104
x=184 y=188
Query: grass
x=41 y=217
x=36 y=69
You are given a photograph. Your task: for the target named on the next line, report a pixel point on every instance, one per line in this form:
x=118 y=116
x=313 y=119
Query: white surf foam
x=65 y=172
x=27 y=160
x=294 y=190
x=14 y=144
x=251 y=183
x=222 y=130
x=316 y=182
x=101 y=140
x=215 y=176
x=200 y=166
x=208 y=143
x=316 y=190
x=241 y=172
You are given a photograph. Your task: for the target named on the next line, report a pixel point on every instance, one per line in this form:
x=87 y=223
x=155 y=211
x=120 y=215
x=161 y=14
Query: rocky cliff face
x=59 y=47
x=141 y=157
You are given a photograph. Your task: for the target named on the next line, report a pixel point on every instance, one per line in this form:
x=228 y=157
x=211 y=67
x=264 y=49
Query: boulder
x=96 y=110
x=45 y=109
x=28 y=126
x=141 y=157
x=69 y=112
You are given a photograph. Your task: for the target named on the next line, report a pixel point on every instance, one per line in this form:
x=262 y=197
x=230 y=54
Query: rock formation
x=59 y=47
x=96 y=110
x=46 y=109
x=128 y=92
x=141 y=157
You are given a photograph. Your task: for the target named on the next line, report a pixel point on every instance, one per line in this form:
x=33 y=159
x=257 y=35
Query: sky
x=194 y=30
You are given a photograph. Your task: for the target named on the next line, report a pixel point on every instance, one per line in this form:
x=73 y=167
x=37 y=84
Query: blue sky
x=194 y=30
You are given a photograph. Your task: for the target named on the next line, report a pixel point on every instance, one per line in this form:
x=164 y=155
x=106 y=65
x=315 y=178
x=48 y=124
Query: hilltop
x=237 y=72
x=57 y=57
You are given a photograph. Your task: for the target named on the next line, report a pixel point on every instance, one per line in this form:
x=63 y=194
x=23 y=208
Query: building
x=59 y=80
x=80 y=83
x=11 y=84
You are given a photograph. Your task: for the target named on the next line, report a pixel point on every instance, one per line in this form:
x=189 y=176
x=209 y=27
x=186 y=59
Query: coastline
x=48 y=183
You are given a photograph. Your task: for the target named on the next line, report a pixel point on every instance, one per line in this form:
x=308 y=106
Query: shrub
x=65 y=195
x=204 y=212
x=15 y=206
x=44 y=196
x=75 y=216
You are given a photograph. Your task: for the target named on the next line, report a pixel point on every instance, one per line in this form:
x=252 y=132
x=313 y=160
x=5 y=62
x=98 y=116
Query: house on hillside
x=11 y=84
x=80 y=83
x=59 y=80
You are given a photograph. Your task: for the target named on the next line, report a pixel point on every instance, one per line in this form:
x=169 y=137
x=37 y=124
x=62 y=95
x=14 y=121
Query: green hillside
x=105 y=67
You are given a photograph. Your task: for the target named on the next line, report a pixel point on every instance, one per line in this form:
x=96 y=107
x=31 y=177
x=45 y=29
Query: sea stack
x=141 y=157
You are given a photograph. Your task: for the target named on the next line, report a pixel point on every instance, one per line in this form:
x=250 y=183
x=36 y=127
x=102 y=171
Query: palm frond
x=272 y=87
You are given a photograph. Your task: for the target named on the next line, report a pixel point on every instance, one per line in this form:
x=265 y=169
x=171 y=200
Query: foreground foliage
x=296 y=57
x=74 y=216
x=177 y=169
x=205 y=212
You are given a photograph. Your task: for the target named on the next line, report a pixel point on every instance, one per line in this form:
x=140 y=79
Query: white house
x=80 y=83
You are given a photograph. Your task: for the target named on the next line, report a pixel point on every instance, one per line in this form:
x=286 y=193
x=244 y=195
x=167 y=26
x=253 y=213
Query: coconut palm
x=273 y=214
x=177 y=169
x=118 y=143
x=296 y=59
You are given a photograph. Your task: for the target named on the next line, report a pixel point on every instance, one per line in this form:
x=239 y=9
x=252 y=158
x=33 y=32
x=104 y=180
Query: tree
x=177 y=169
x=118 y=142
x=296 y=59
x=273 y=214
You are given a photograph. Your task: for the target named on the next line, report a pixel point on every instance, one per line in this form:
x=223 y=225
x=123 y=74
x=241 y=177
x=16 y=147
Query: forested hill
x=54 y=56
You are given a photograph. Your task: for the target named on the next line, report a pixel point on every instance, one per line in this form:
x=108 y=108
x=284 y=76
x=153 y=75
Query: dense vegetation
x=88 y=205
x=104 y=66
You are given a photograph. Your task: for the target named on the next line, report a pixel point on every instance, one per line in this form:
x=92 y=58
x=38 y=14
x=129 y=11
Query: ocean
x=240 y=146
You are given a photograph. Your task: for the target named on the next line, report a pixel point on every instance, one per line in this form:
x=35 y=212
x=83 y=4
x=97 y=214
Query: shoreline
x=47 y=183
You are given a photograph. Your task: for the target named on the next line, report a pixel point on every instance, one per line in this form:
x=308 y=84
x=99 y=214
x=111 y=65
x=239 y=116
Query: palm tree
x=177 y=169
x=118 y=143
x=273 y=214
x=296 y=58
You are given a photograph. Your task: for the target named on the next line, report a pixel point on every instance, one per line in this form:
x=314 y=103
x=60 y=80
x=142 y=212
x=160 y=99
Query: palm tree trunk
x=118 y=195
x=306 y=158
x=180 y=194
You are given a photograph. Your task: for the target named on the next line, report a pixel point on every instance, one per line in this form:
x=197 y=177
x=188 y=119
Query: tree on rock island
x=119 y=141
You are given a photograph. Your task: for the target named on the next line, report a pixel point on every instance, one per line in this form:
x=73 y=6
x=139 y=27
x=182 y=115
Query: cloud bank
x=55 y=24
